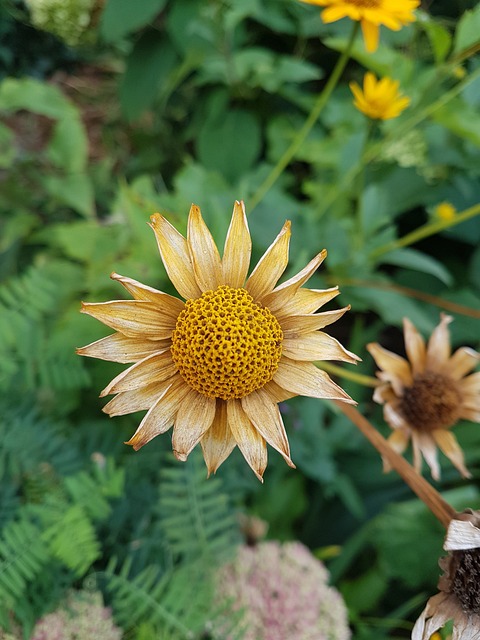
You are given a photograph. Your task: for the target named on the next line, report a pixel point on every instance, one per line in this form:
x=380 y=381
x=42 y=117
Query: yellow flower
x=217 y=365
x=427 y=394
x=394 y=14
x=445 y=211
x=380 y=99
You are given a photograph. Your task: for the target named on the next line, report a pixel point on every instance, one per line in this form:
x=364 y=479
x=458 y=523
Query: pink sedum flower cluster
x=282 y=592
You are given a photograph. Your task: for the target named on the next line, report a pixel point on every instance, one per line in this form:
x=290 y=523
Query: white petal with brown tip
x=237 y=250
x=270 y=266
x=203 y=251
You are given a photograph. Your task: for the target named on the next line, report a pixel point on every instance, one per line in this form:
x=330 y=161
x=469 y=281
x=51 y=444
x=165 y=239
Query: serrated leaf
x=121 y=17
x=418 y=261
x=468 y=30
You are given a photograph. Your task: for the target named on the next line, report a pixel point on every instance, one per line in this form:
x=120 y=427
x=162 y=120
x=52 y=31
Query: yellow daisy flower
x=426 y=395
x=217 y=365
x=445 y=211
x=394 y=14
x=380 y=99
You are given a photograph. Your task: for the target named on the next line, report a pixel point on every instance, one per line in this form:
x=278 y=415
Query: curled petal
x=119 y=348
x=237 y=250
x=133 y=318
x=155 y=368
x=195 y=416
x=218 y=442
x=395 y=368
x=450 y=447
x=270 y=266
x=249 y=441
x=317 y=346
x=137 y=399
x=462 y=362
x=414 y=346
x=203 y=251
x=438 y=350
x=169 y=305
x=304 y=379
x=294 y=326
x=176 y=257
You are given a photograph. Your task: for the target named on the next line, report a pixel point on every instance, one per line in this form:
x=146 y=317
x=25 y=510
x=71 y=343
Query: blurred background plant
x=113 y=110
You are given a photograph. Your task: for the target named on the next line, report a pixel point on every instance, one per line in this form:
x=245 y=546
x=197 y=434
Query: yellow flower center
x=432 y=402
x=226 y=346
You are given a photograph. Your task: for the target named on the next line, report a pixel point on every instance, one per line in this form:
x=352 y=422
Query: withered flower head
x=427 y=394
x=217 y=365
x=459 y=597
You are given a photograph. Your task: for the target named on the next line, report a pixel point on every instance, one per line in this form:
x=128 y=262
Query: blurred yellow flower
x=380 y=99
x=394 y=14
x=425 y=395
x=216 y=366
x=445 y=211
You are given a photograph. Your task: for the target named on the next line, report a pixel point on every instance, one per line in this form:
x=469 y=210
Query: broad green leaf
x=68 y=148
x=418 y=261
x=74 y=190
x=7 y=151
x=121 y=17
x=468 y=30
x=460 y=118
x=148 y=65
x=35 y=96
x=439 y=37
x=230 y=144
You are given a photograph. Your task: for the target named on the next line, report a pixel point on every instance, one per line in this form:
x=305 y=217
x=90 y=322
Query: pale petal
x=237 y=250
x=249 y=441
x=203 y=251
x=195 y=416
x=414 y=346
x=176 y=257
x=154 y=368
x=137 y=399
x=218 y=442
x=471 y=385
x=438 y=350
x=265 y=416
x=317 y=346
x=467 y=413
x=161 y=416
x=276 y=392
x=169 y=305
x=393 y=416
x=294 y=326
x=119 y=348
x=447 y=443
x=371 y=35
x=428 y=448
x=283 y=295
x=133 y=318
x=384 y=393
x=304 y=379
x=462 y=362
x=440 y=608
x=270 y=266
x=398 y=441
x=396 y=369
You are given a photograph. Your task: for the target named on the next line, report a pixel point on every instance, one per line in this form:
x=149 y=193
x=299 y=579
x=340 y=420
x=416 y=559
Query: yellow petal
x=397 y=370
x=398 y=441
x=276 y=392
x=155 y=368
x=249 y=441
x=176 y=257
x=414 y=346
x=294 y=326
x=439 y=350
x=203 y=251
x=161 y=416
x=471 y=385
x=265 y=417
x=218 y=442
x=195 y=416
x=270 y=266
x=371 y=35
x=462 y=361
x=119 y=348
x=169 y=305
x=467 y=413
x=304 y=379
x=133 y=318
x=282 y=295
x=137 y=399
x=449 y=446
x=237 y=250
x=317 y=345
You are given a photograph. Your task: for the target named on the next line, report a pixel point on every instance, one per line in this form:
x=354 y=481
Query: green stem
x=359 y=378
x=317 y=108
x=424 y=231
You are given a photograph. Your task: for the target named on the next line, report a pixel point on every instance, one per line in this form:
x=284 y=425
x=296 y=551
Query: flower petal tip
x=180 y=456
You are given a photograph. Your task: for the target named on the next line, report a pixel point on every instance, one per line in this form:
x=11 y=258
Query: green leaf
x=74 y=190
x=121 y=17
x=418 y=261
x=7 y=151
x=439 y=37
x=33 y=95
x=68 y=148
x=151 y=60
x=461 y=118
x=230 y=144
x=468 y=30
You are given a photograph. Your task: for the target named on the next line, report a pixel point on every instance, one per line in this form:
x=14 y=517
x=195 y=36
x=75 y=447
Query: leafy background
x=167 y=103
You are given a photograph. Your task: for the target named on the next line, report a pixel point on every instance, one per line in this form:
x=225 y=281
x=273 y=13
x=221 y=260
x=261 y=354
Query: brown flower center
x=367 y=4
x=226 y=346
x=432 y=402
x=466 y=580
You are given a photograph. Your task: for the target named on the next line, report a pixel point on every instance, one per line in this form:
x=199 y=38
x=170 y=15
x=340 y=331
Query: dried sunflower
x=394 y=14
x=426 y=395
x=380 y=99
x=217 y=365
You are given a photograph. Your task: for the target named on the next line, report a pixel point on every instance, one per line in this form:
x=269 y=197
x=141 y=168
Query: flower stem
x=426 y=230
x=359 y=378
x=317 y=108
x=423 y=489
